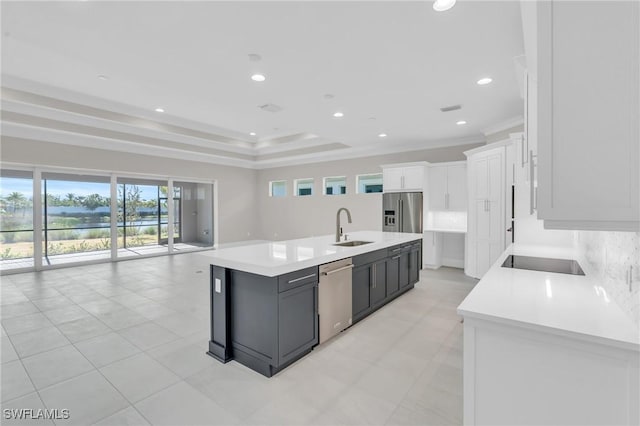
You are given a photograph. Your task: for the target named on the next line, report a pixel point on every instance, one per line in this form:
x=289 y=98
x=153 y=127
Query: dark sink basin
x=352 y=243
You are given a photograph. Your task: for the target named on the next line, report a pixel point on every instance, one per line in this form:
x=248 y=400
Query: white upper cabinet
x=457 y=187
x=448 y=187
x=587 y=116
x=437 y=188
x=403 y=177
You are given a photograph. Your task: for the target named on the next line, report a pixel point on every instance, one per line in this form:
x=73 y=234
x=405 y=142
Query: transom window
x=336 y=185
x=278 y=188
x=370 y=183
x=303 y=187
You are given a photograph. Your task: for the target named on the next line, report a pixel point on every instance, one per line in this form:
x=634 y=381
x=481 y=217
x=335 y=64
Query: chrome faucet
x=338 y=227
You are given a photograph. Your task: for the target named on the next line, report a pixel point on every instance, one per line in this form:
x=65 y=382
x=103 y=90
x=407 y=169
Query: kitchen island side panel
x=219 y=343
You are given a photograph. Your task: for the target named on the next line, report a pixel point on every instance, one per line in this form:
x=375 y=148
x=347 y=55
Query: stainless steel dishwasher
x=334 y=298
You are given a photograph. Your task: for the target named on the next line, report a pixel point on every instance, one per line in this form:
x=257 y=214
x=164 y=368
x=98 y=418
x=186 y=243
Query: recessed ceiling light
x=338 y=114
x=382 y=135
x=461 y=122
x=485 y=80
x=442 y=5
x=258 y=77
x=159 y=110
x=252 y=134
x=103 y=77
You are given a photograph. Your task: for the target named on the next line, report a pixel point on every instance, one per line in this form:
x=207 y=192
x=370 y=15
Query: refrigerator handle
x=400 y=215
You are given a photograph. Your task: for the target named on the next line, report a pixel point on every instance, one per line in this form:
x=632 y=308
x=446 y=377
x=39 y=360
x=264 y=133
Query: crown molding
x=503 y=125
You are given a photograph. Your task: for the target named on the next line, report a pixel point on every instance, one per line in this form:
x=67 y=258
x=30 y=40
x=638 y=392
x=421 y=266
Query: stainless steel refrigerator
x=402 y=212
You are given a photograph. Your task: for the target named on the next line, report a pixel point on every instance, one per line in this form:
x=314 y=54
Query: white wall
x=297 y=217
x=236 y=186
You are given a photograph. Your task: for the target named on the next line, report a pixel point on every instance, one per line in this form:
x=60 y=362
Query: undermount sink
x=352 y=243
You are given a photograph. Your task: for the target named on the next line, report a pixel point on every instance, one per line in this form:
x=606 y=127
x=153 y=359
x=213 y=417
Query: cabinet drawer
x=297 y=278
x=365 y=258
x=394 y=251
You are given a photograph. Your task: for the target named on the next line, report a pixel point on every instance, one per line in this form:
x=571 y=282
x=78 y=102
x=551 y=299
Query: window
x=76 y=217
x=366 y=184
x=335 y=185
x=278 y=188
x=16 y=219
x=304 y=187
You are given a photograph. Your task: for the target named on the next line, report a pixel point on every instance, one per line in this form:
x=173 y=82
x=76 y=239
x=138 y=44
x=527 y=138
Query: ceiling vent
x=270 y=107
x=451 y=108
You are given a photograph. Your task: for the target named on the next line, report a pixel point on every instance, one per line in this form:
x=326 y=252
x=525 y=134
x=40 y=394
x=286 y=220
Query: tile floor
x=124 y=343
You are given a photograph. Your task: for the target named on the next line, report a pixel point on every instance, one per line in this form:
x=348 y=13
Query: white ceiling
x=397 y=62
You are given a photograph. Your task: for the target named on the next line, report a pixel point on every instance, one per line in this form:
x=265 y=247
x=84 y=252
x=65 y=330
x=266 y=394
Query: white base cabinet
x=432 y=250
x=516 y=376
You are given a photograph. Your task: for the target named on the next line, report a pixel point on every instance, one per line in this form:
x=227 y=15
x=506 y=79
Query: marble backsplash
x=607 y=256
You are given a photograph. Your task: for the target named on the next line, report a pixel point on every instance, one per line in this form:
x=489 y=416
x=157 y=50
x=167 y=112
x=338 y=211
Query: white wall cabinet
x=486 y=216
x=403 y=177
x=447 y=186
x=587 y=115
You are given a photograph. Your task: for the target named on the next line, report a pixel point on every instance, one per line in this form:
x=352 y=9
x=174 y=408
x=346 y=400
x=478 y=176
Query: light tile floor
x=124 y=343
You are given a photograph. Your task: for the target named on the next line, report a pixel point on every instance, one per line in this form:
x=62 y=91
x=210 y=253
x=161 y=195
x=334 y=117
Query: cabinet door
x=413 y=178
x=393 y=277
x=432 y=246
x=414 y=266
x=403 y=275
x=437 y=188
x=392 y=179
x=481 y=178
x=361 y=299
x=378 y=283
x=457 y=188
x=297 y=321
x=588 y=109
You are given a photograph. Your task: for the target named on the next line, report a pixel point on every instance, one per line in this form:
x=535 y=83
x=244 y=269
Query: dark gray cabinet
x=297 y=322
x=378 y=283
x=383 y=275
x=361 y=291
x=393 y=275
x=265 y=323
x=403 y=269
x=415 y=263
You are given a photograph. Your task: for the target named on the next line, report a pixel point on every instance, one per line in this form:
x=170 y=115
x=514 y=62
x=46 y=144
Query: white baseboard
x=453 y=263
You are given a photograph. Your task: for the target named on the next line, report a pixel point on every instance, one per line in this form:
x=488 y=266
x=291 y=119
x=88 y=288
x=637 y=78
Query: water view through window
x=76 y=216
x=77 y=212
x=16 y=219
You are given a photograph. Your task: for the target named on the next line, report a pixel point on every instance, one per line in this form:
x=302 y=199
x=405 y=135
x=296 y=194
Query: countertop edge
x=619 y=344
x=275 y=271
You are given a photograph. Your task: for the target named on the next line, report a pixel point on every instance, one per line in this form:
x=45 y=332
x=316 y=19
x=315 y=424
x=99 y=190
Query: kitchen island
x=264 y=297
x=547 y=348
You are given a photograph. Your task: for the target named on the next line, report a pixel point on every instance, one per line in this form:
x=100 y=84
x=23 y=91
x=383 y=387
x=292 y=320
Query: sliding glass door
x=142 y=217
x=79 y=217
x=16 y=219
x=76 y=217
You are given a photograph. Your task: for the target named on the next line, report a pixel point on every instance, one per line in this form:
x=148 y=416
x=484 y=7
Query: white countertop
x=557 y=303
x=280 y=257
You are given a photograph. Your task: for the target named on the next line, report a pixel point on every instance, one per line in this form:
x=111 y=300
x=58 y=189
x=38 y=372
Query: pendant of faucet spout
x=338 y=227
